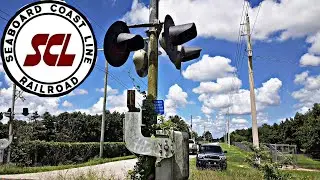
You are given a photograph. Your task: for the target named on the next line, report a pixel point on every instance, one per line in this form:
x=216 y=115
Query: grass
x=238 y=169
x=305 y=162
x=11 y=169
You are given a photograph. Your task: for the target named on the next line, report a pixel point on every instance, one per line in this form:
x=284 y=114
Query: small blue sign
x=159 y=106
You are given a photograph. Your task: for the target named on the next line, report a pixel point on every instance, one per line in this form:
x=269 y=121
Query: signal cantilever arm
x=148 y=146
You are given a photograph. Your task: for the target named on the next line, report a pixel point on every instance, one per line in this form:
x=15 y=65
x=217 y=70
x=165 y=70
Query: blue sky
x=285 y=44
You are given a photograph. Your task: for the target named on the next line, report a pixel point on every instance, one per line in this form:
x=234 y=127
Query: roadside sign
x=159 y=106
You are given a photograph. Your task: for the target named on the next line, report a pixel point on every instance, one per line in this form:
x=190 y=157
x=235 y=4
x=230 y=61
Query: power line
x=101 y=28
x=4 y=18
x=256 y=19
x=116 y=79
x=4 y=13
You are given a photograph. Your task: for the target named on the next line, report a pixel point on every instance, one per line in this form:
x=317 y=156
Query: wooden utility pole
x=228 y=131
x=11 y=119
x=255 y=137
x=104 y=111
x=153 y=50
x=191 y=123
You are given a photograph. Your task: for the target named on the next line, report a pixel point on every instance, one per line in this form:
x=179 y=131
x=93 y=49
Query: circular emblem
x=48 y=48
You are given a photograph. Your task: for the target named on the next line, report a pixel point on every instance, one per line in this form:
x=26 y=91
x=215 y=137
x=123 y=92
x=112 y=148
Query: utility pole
x=11 y=119
x=153 y=50
x=191 y=123
x=104 y=111
x=228 y=131
x=255 y=137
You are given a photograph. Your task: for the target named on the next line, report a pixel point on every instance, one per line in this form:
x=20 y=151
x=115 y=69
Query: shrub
x=40 y=153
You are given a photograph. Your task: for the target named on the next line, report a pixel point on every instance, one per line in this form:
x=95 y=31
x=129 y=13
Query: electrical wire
x=4 y=18
x=256 y=19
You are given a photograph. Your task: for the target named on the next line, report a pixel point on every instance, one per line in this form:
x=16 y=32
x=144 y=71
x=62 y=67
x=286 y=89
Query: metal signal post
x=153 y=50
x=168 y=150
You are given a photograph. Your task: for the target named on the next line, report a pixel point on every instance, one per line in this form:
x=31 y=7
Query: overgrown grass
x=11 y=169
x=91 y=175
x=305 y=162
x=238 y=169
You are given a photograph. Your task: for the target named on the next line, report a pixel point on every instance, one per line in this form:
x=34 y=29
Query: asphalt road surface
x=115 y=170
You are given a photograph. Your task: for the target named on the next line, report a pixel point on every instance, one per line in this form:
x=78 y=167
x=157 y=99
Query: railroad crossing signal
x=140 y=60
x=173 y=36
x=118 y=43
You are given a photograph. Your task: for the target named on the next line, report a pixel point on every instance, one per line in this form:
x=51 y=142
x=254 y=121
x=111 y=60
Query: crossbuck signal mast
x=169 y=150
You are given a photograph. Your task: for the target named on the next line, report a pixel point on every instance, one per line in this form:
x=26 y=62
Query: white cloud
x=238 y=103
x=268 y=94
x=294 y=18
x=223 y=85
x=239 y=121
x=110 y=91
x=176 y=98
x=116 y=102
x=34 y=103
x=309 y=60
x=1 y=66
x=310 y=93
x=67 y=104
x=300 y=78
x=78 y=92
x=315 y=41
x=209 y=68
x=262 y=118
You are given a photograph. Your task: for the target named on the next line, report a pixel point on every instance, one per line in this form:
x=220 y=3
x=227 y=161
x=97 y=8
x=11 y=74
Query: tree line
x=66 y=127
x=302 y=130
x=80 y=127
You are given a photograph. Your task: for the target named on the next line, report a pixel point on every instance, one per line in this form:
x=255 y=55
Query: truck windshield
x=210 y=149
x=191 y=141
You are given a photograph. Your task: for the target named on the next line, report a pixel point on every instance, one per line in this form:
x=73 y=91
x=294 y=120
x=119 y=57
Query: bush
x=40 y=153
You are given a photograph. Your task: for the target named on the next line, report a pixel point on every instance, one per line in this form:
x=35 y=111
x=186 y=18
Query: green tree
x=208 y=136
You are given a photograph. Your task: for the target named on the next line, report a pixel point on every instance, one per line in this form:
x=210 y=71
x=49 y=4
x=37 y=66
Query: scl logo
x=48 y=58
x=48 y=48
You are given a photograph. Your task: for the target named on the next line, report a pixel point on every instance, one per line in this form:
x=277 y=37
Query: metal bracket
x=160 y=148
x=146 y=25
x=4 y=143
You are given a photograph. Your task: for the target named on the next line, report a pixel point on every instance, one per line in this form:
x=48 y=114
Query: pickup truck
x=193 y=147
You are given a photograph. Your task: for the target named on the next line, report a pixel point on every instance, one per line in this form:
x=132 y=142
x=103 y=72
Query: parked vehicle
x=193 y=147
x=211 y=156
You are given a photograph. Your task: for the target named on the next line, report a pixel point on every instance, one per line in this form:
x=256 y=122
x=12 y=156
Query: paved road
x=117 y=170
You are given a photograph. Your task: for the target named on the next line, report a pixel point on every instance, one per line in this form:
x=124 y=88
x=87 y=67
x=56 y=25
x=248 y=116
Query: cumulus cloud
x=309 y=60
x=78 y=92
x=300 y=78
x=310 y=93
x=238 y=103
x=315 y=43
x=115 y=102
x=209 y=68
x=294 y=18
x=110 y=91
x=175 y=99
x=1 y=66
x=67 y=104
x=34 y=103
x=239 y=121
x=223 y=85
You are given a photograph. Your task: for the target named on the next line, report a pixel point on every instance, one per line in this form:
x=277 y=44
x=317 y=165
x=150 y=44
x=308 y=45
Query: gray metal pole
x=104 y=111
x=11 y=119
x=255 y=137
